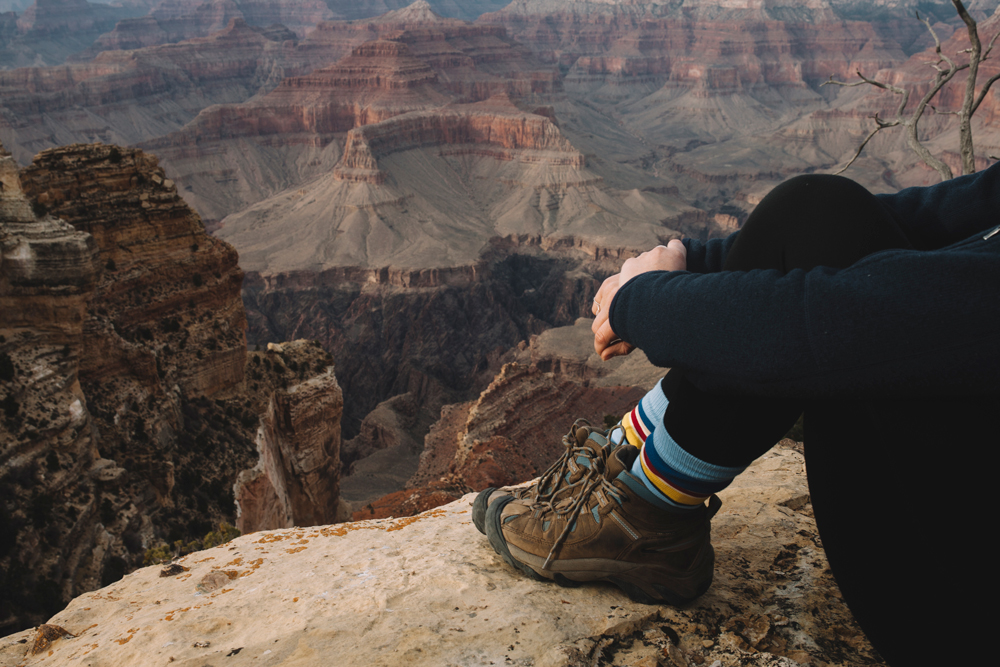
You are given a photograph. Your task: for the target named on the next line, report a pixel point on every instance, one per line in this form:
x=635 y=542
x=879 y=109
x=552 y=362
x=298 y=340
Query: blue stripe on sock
x=678 y=479
x=652 y=407
x=687 y=465
x=644 y=419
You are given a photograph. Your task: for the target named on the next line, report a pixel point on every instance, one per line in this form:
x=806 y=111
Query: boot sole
x=638 y=581
x=479 y=507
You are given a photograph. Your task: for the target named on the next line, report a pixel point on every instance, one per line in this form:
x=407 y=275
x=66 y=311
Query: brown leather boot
x=583 y=444
x=607 y=526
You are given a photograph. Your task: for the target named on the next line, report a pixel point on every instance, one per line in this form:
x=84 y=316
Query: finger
x=602 y=301
x=604 y=337
x=600 y=321
x=618 y=349
x=678 y=246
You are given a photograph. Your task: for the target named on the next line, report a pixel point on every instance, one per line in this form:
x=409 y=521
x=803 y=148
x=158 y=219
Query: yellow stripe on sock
x=630 y=433
x=667 y=490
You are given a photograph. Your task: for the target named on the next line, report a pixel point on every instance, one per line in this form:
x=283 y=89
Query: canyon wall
x=130 y=402
x=48 y=31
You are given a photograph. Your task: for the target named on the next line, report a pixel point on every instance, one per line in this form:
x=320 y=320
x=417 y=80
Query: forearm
x=900 y=323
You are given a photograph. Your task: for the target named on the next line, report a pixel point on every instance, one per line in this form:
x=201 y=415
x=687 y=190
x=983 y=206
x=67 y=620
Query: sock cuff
x=654 y=404
x=690 y=466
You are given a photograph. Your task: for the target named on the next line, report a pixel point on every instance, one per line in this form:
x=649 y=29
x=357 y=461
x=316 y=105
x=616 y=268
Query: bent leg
x=807 y=221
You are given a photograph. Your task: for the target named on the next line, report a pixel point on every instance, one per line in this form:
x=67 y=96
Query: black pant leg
x=899 y=489
x=807 y=221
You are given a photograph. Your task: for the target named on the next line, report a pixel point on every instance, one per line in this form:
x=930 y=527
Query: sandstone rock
x=428 y=590
x=110 y=444
x=514 y=429
x=295 y=481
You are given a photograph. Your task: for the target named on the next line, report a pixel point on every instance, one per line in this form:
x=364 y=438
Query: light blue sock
x=677 y=477
x=644 y=418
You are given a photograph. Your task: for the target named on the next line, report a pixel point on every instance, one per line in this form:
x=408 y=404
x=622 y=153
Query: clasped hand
x=671 y=257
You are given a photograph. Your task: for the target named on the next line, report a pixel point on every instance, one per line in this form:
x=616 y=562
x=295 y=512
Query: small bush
x=115 y=156
x=110 y=265
x=41 y=509
x=7 y=369
x=39 y=209
x=10 y=407
x=156 y=555
x=197 y=280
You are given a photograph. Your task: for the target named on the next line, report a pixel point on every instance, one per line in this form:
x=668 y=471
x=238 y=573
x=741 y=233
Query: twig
x=864 y=143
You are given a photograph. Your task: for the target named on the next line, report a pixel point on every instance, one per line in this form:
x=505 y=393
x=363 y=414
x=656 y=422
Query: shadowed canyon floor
x=428 y=590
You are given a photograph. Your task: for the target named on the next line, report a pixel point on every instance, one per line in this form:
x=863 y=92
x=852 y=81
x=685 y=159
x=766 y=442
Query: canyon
x=422 y=197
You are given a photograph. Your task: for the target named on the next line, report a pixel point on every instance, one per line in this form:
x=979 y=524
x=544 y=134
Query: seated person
x=877 y=317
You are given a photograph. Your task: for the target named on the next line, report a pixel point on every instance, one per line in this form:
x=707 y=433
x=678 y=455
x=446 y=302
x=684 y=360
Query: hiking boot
x=607 y=526
x=583 y=444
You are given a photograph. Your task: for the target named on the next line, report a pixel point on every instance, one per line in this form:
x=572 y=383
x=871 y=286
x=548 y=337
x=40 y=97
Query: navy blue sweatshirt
x=898 y=323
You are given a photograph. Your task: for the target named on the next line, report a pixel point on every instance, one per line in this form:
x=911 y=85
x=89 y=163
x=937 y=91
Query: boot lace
x=568 y=501
x=551 y=481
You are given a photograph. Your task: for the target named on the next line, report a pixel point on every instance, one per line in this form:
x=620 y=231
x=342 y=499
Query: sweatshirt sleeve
x=942 y=214
x=897 y=323
x=708 y=256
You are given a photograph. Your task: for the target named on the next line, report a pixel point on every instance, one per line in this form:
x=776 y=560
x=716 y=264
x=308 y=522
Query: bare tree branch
x=985 y=90
x=965 y=117
x=879 y=126
x=945 y=69
x=986 y=53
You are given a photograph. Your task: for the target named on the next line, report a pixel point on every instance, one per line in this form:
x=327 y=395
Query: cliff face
x=514 y=430
x=124 y=88
x=130 y=406
x=296 y=479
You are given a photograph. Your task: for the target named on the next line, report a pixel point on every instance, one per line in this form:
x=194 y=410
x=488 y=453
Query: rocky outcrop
x=130 y=403
x=53 y=476
x=163 y=273
x=428 y=590
x=515 y=428
x=296 y=479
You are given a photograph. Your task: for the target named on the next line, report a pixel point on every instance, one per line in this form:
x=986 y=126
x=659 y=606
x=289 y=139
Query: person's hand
x=671 y=257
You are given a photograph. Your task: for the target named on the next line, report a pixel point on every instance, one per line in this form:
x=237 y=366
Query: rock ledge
x=428 y=590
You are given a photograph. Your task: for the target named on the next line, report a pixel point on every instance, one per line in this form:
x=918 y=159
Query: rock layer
x=112 y=448
x=296 y=479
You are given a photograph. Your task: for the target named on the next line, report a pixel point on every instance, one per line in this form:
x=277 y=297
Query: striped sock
x=638 y=423
x=676 y=476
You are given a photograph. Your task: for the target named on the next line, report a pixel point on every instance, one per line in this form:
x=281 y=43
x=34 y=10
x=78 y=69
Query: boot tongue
x=597 y=443
x=620 y=460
